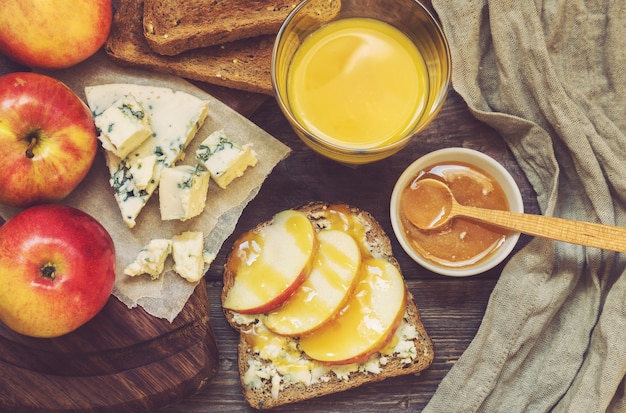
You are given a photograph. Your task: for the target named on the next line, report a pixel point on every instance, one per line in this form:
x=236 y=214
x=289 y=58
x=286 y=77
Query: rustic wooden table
x=451 y=308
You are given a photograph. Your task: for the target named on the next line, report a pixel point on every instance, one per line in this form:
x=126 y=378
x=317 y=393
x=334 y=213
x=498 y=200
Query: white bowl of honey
x=357 y=80
x=464 y=247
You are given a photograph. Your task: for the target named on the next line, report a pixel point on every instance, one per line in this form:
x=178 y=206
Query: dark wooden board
x=121 y=360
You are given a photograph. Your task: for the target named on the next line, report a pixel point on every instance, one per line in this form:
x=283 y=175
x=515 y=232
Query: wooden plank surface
x=451 y=308
x=165 y=364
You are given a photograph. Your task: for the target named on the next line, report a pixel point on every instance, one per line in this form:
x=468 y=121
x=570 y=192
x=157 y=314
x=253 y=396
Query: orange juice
x=358 y=83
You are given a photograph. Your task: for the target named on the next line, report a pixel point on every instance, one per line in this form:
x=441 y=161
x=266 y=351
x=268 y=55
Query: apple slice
x=270 y=264
x=366 y=323
x=326 y=289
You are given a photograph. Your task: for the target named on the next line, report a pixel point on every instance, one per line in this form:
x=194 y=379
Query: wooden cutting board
x=121 y=360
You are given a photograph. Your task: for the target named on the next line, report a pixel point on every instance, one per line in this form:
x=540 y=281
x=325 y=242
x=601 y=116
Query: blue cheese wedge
x=175 y=118
x=225 y=159
x=183 y=191
x=151 y=259
x=187 y=251
x=130 y=198
x=123 y=126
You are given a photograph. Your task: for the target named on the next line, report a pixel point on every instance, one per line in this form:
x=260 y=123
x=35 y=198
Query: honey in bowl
x=463 y=242
x=358 y=83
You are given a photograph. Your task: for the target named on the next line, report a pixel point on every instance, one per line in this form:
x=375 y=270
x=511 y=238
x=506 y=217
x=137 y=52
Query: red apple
x=53 y=34
x=57 y=270
x=48 y=140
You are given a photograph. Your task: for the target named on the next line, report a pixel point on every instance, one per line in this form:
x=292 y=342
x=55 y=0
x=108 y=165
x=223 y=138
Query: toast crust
x=270 y=393
x=243 y=64
x=172 y=27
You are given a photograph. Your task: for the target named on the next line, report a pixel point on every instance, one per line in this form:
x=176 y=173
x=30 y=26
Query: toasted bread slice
x=173 y=26
x=243 y=64
x=266 y=384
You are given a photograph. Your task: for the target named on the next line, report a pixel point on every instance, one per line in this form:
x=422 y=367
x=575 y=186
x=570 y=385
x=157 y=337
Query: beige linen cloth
x=550 y=76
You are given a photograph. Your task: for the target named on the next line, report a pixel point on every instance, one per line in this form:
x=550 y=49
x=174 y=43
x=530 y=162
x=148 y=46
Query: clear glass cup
x=409 y=16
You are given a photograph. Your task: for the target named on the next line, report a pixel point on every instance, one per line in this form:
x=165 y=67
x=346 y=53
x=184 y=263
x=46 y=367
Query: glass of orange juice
x=358 y=79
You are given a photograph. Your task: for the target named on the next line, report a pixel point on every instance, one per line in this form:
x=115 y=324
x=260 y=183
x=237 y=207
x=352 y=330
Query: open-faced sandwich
x=321 y=306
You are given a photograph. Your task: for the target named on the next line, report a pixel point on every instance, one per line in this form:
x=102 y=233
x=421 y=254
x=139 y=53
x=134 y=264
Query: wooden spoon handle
x=575 y=232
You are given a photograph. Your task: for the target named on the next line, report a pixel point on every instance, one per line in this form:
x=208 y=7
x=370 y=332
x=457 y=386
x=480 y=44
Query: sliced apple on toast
x=325 y=291
x=270 y=264
x=376 y=334
x=366 y=323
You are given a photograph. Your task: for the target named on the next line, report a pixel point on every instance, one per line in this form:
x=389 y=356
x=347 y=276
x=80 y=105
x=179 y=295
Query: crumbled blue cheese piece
x=151 y=259
x=256 y=373
x=175 y=118
x=187 y=251
x=123 y=126
x=403 y=345
x=343 y=371
x=244 y=319
x=282 y=363
x=142 y=171
x=129 y=197
x=225 y=159
x=208 y=256
x=183 y=191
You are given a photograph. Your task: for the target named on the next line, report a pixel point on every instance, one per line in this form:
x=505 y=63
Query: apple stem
x=32 y=138
x=48 y=270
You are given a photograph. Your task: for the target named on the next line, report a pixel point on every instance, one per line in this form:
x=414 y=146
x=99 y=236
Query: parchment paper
x=166 y=296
